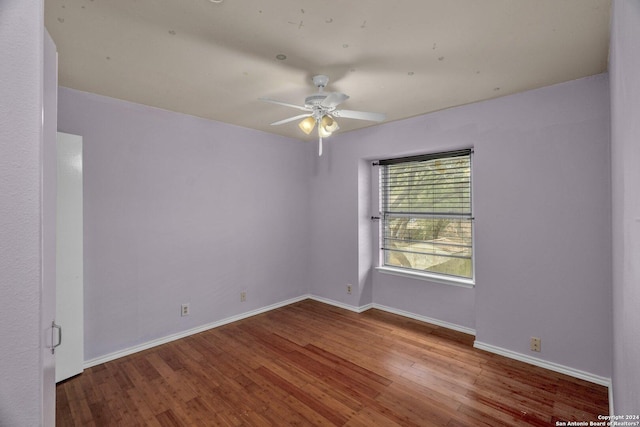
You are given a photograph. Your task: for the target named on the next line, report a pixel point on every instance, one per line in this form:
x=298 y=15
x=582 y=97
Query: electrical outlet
x=184 y=310
x=243 y=296
x=535 y=344
x=349 y=288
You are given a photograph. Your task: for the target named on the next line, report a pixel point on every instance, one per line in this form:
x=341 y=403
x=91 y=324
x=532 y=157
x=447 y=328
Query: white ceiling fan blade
x=286 y=104
x=290 y=119
x=359 y=115
x=333 y=99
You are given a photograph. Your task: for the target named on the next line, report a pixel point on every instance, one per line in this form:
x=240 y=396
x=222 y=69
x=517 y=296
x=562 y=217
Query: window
x=426 y=215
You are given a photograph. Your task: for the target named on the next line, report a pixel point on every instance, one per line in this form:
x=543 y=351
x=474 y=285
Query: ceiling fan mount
x=320 y=81
x=320 y=109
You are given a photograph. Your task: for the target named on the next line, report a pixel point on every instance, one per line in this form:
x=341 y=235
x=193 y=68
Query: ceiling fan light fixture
x=323 y=133
x=328 y=124
x=307 y=125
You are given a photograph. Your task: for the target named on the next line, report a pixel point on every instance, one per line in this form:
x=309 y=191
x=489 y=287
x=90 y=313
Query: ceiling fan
x=320 y=109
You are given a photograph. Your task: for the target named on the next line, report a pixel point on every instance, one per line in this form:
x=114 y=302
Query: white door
x=69 y=259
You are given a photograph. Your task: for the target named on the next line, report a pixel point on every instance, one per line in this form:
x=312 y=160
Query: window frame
x=443 y=278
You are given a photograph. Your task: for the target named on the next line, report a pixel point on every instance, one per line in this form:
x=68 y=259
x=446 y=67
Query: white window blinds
x=427 y=215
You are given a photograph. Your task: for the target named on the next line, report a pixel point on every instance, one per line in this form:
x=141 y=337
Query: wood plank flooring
x=311 y=364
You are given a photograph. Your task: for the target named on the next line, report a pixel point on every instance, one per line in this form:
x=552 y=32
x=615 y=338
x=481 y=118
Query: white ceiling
x=403 y=58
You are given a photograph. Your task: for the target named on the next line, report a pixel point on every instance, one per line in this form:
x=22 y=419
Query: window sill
x=453 y=281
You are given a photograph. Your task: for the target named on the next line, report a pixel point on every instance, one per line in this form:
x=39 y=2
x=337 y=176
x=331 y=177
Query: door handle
x=53 y=328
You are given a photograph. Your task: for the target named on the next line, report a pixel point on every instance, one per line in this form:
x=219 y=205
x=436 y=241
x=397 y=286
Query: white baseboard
x=355 y=309
x=153 y=343
x=425 y=319
x=576 y=373
x=611 y=406
x=363 y=308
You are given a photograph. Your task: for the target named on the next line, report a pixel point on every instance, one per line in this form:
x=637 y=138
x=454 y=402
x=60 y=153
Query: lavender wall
x=543 y=228
x=183 y=210
x=624 y=66
x=542 y=208
x=26 y=398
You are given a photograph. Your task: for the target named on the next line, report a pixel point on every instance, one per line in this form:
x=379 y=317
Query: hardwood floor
x=315 y=364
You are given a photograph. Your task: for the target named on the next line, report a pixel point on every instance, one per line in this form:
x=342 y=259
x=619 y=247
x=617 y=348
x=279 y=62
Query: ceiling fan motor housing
x=315 y=100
